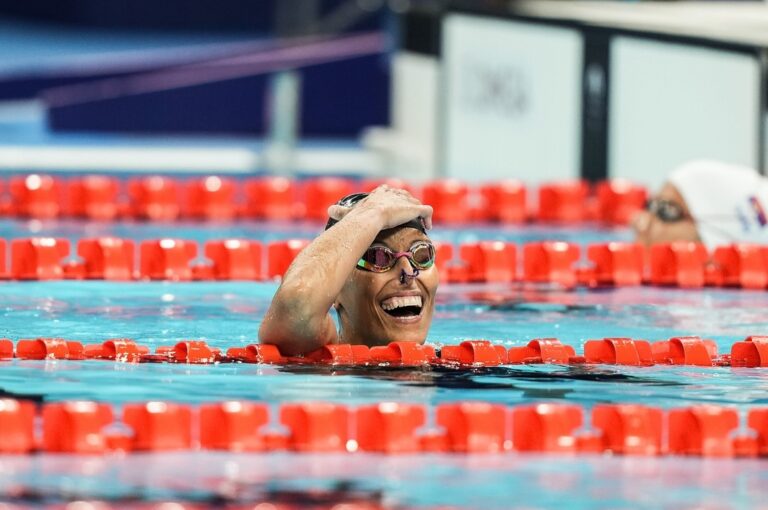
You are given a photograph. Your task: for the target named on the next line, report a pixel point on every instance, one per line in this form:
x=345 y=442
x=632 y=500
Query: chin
x=384 y=340
x=417 y=337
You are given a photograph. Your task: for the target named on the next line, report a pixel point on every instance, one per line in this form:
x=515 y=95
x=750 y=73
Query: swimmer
x=707 y=201
x=374 y=265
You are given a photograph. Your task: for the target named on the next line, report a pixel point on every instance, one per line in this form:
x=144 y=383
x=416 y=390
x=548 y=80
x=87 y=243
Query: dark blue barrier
x=345 y=87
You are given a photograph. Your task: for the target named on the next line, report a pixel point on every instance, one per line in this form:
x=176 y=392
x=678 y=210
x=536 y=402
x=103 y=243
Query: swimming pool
x=227 y=314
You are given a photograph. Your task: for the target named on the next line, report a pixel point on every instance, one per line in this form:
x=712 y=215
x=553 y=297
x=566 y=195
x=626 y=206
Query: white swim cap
x=728 y=202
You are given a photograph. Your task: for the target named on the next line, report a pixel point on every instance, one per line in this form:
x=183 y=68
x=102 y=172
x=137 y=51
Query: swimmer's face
x=362 y=301
x=649 y=229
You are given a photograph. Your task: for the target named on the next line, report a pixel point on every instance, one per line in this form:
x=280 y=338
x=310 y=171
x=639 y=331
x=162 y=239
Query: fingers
x=398 y=206
x=427 y=216
x=411 y=206
x=400 y=193
x=337 y=212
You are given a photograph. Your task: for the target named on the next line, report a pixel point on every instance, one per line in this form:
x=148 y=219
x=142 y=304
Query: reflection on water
x=313 y=481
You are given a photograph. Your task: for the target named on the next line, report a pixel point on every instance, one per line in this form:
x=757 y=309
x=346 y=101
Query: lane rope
x=467 y=355
x=164 y=198
x=681 y=264
x=86 y=427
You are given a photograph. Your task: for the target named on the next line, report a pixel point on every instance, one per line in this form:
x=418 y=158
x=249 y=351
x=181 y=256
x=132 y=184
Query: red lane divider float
x=280 y=254
x=17 y=421
x=167 y=259
x=619 y=351
x=235 y=259
x=316 y=426
x=321 y=193
x=94 y=197
x=234 y=426
x=469 y=354
x=38 y=258
x=742 y=265
x=542 y=350
x=271 y=198
x=389 y=428
x=490 y=261
x=550 y=261
x=450 y=200
x=154 y=198
x=618 y=201
x=210 y=198
x=753 y=352
x=84 y=427
x=617 y=263
x=3 y=265
x=107 y=258
x=159 y=426
x=679 y=264
x=564 y=202
x=504 y=202
x=35 y=196
x=75 y=427
x=218 y=198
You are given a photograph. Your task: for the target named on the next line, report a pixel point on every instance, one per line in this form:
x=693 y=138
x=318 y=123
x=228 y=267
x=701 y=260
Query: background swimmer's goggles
x=672 y=212
x=666 y=210
x=380 y=259
x=354 y=198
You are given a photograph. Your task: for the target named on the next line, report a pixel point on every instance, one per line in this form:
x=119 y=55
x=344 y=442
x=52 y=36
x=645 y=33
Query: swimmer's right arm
x=298 y=320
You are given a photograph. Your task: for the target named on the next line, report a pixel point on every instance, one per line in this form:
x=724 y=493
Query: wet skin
x=362 y=318
x=650 y=230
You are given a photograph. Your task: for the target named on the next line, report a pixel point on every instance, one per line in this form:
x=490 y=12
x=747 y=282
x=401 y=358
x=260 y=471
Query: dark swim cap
x=354 y=198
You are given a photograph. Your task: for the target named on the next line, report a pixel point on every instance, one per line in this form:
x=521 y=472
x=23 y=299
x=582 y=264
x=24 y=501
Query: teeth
x=401 y=301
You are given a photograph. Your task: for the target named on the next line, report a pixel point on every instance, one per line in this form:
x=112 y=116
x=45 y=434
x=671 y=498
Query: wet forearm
x=324 y=265
x=319 y=272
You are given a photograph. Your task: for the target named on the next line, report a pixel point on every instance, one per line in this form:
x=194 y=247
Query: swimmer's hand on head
x=396 y=210
x=298 y=320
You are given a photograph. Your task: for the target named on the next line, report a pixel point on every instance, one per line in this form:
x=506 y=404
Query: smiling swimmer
x=374 y=264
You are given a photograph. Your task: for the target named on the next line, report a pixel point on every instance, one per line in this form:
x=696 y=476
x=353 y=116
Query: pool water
x=227 y=314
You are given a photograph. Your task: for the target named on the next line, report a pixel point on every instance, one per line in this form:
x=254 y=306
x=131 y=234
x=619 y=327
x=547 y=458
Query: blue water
x=228 y=313
x=271 y=231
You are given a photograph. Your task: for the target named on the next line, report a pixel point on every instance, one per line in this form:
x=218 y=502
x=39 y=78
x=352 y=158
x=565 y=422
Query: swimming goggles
x=666 y=210
x=379 y=259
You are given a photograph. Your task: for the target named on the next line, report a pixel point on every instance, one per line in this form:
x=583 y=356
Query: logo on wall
x=495 y=88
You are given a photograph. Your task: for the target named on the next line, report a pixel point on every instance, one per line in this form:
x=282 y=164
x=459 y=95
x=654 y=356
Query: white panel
x=513 y=100
x=415 y=85
x=415 y=81
x=671 y=103
x=409 y=148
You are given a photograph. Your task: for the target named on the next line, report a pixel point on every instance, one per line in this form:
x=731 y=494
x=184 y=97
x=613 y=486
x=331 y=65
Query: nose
x=641 y=221
x=641 y=224
x=403 y=264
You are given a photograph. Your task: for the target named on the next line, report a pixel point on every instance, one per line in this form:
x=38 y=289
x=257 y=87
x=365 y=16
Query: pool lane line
x=97 y=428
x=467 y=355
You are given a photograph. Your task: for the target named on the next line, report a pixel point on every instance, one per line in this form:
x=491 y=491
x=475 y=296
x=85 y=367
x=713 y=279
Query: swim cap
x=729 y=203
x=354 y=198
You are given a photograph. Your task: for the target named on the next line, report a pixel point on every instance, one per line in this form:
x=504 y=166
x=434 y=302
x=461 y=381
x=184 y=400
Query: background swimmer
x=708 y=201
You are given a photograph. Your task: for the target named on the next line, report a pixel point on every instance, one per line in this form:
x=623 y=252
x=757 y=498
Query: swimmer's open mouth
x=403 y=306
